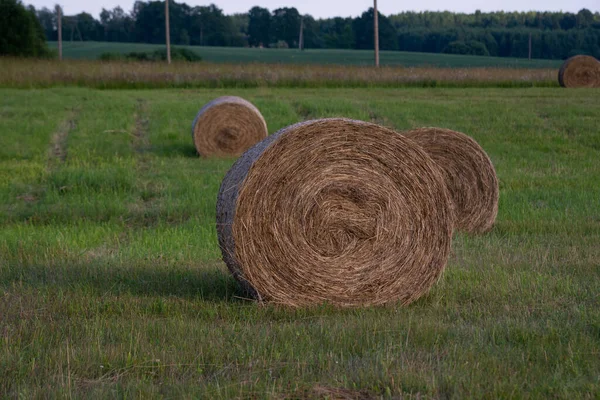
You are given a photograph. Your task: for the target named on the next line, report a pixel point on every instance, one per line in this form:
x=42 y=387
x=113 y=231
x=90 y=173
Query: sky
x=345 y=8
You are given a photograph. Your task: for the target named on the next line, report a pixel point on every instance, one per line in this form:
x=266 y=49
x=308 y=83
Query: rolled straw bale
x=338 y=211
x=228 y=126
x=580 y=71
x=468 y=172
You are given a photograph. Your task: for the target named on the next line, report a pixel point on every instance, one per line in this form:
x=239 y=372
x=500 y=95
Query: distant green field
x=112 y=285
x=91 y=50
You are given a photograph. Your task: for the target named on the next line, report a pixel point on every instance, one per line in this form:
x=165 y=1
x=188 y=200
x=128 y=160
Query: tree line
x=20 y=32
x=555 y=35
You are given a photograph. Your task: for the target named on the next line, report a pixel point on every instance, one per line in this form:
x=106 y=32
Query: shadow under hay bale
x=468 y=172
x=580 y=72
x=227 y=127
x=337 y=211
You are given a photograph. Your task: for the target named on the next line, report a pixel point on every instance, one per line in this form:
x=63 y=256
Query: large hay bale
x=228 y=126
x=337 y=211
x=468 y=172
x=580 y=71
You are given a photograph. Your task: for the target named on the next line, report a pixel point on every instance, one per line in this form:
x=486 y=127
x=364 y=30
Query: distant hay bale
x=338 y=211
x=580 y=72
x=228 y=126
x=468 y=172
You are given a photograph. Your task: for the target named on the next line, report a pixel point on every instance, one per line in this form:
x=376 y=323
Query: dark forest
x=555 y=35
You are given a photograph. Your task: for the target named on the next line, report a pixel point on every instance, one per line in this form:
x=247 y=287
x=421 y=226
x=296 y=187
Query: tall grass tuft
x=19 y=73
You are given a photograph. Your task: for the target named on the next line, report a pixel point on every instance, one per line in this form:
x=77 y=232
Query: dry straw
x=337 y=211
x=580 y=71
x=228 y=126
x=468 y=172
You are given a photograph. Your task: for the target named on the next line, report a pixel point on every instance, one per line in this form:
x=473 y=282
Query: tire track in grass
x=58 y=151
x=139 y=146
x=144 y=211
x=141 y=141
x=28 y=196
x=59 y=146
x=141 y=203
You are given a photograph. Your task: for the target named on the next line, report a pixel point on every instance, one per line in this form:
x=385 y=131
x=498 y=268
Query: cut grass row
x=112 y=284
x=129 y=75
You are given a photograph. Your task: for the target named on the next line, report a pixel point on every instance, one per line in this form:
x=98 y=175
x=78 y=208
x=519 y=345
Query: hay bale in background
x=580 y=71
x=337 y=211
x=468 y=172
x=228 y=126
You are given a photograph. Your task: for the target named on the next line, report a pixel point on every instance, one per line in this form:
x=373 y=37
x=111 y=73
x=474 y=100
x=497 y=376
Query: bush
x=281 y=44
x=21 y=33
x=470 y=47
x=177 y=54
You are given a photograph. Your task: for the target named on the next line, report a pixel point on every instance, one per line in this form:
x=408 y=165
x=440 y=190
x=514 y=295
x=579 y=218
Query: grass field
x=91 y=50
x=112 y=286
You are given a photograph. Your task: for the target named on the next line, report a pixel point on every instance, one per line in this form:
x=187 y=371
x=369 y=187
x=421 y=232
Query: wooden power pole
x=59 y=23
x=376 y=32
x=301 y=38
x=530 y=45
x=167 y=31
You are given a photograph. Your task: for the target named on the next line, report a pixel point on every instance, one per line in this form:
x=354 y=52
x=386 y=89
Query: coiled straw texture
x=335 y=211
x=227 y=127
x=468 y=172
x=580 y=72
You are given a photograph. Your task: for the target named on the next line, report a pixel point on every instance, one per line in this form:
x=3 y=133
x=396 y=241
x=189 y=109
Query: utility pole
x=376 y=32
x=59 y=20
x=301 y=38
x=167 y=31
x=530 y=45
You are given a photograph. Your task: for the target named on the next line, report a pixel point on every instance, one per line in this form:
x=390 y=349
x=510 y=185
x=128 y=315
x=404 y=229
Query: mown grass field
x=92 y=50
x=111 y=283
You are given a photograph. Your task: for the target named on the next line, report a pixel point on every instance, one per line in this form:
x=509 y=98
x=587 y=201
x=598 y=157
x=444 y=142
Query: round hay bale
x=337 y=211
x=580 y=72
x=228 y=126
x=468 y=172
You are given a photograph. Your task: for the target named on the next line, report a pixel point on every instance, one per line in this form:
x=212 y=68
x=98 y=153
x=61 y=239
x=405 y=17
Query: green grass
x=91 y=50
x=112 y=286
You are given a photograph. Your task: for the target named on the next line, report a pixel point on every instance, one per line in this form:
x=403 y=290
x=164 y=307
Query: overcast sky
x=345 y=8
